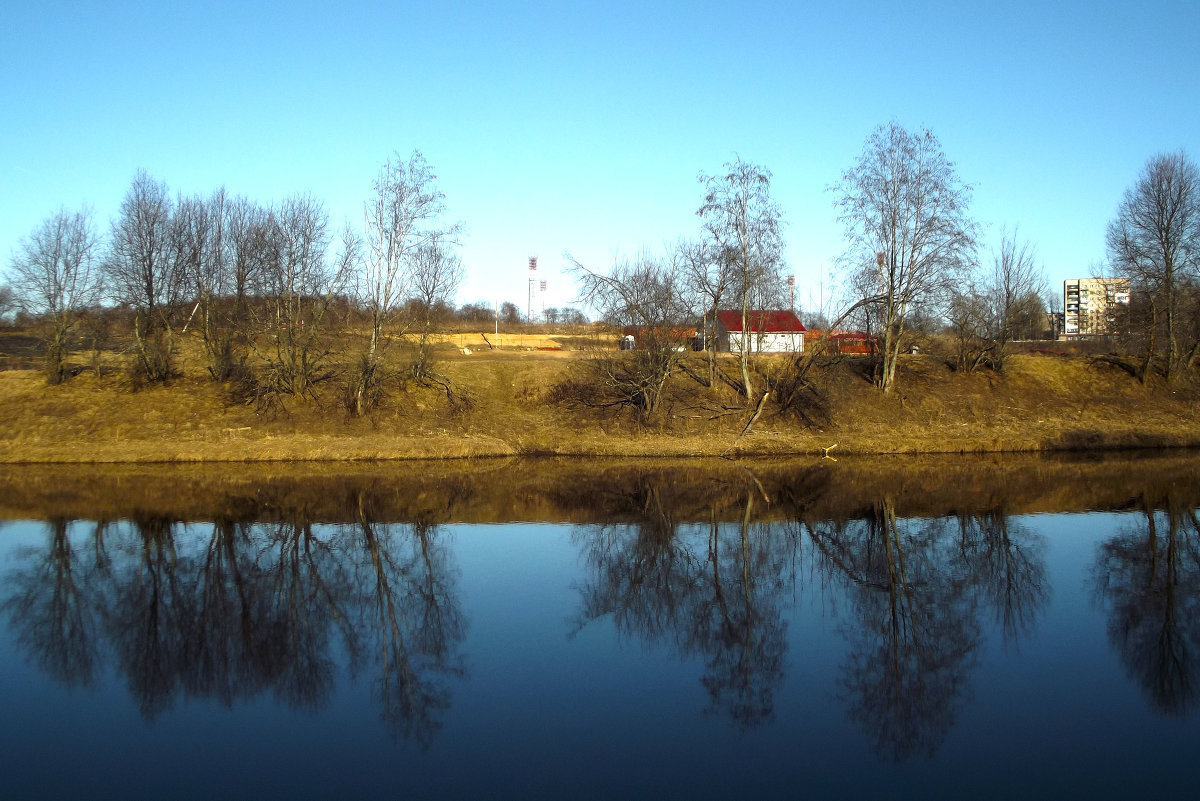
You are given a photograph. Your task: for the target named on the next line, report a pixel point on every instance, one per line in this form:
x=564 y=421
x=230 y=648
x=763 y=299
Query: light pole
x=532 y=278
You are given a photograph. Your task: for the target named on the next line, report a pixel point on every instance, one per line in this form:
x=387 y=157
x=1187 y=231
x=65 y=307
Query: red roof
x=768 y=322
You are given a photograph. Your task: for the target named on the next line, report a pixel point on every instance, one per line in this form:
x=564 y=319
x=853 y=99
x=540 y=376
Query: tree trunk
x=746 y=385
x=1172 y=347
x=710 y=344
x=1149 y=360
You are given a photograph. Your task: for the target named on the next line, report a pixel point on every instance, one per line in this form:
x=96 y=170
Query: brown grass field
x=1041 y=402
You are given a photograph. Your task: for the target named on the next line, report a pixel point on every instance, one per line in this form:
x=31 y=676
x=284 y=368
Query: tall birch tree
x=742 y=223
x=402 y=222
x=908 y=227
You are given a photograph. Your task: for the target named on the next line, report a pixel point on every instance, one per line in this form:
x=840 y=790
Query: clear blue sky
x=582 y=127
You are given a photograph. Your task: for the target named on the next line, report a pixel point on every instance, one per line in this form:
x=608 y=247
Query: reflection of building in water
x=1092 y=306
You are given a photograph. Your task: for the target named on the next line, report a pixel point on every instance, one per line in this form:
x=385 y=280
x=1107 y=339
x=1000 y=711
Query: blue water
x=539 y=660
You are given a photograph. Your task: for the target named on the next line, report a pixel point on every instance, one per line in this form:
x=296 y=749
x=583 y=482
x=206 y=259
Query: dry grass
x=484 y=341
x=1041 y=402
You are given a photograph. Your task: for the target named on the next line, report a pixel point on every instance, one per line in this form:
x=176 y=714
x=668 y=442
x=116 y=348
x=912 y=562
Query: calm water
x=1002 y=629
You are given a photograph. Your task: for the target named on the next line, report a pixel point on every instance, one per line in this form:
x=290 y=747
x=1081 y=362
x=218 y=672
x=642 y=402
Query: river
x=992 y=627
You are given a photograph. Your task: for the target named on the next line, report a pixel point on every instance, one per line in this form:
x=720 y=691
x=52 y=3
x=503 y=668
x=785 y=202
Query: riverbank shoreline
x=578 y=491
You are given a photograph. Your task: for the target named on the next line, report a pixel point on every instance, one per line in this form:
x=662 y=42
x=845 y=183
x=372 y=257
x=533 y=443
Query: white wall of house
x=771 y=342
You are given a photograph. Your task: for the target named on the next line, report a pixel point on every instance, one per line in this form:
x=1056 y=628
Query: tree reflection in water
x=237 y=609
x=739 y=626
x=51 y=611
x=1149 y=578
x=410 y=619
x=223 y=645
x=915 y=633
x=1007 y=563
x=712 y=591
x=149 y=614
x=232 y=609
x=917 y=587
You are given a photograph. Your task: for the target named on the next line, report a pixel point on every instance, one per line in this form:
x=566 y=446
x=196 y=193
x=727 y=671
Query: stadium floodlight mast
x=532 y=279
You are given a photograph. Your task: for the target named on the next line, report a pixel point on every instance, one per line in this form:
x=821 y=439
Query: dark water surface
x=991 y=628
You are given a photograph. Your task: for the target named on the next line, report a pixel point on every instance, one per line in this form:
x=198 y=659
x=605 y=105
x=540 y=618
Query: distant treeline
x=264 y=286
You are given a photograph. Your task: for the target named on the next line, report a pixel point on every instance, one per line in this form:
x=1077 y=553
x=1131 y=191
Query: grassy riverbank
x=1041 y=402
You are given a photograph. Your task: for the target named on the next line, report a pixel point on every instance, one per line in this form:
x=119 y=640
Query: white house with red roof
x=767 y=331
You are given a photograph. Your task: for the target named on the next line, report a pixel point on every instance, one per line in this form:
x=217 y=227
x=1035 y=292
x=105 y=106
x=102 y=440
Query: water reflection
x=1007 y=562
x=412 y=622
x=713 y=591
x=289 y=585
x=51 y=610
x=1148 y=578
x=917 y=589
x=232 y=609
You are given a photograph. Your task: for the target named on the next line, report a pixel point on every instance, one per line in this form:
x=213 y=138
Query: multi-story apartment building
x=1091 y=306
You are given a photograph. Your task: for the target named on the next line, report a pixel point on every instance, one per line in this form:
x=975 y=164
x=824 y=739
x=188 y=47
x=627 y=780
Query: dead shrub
x=364 y=388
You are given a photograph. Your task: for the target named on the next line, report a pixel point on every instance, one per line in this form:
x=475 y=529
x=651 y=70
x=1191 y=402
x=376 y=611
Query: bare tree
x=247 y=240
x=710 y=280
x=301 y=284
x=794 y=389
x=743 y=225
x=437 y=273
x=971 y=316
x=54 y=279
x=1013 y=294
x=200 y=233
x=907 y=222
x=401 y=222
x=649 y=297
x=228 y=244
x=144 y=272
x=1051 y=304
x=510 y=313
x=572 y=316
x=1190 y=320
x=1156 y=239
x=402 y=229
